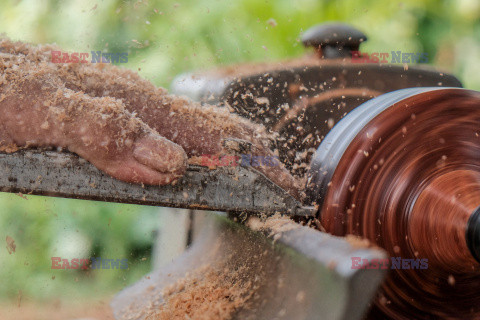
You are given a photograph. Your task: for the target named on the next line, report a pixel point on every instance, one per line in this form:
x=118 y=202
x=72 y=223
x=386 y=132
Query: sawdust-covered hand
x=118 y=121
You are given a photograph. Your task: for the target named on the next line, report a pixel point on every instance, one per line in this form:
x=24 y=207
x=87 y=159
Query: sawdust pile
x=212 y=292
x=227 y=287
x=274 y=225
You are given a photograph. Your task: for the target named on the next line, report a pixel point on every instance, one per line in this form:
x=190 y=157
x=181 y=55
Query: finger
x=198 y=129
x=37 y=110
x=160 y=154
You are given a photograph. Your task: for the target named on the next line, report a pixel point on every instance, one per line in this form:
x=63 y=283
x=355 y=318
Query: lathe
x=387 y=152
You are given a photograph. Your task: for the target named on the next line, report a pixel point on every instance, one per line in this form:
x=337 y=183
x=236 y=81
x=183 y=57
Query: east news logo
x=97 y=57
x=90 y=263
x=396 y=57
x=392 y=263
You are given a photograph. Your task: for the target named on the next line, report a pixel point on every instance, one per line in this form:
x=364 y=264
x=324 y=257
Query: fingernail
x=160 y=154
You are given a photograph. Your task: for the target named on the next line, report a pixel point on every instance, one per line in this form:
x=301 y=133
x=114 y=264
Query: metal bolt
x=333 y=40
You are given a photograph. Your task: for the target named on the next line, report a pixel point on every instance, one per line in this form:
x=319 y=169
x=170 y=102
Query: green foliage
x=168 y=37
x=52 y=227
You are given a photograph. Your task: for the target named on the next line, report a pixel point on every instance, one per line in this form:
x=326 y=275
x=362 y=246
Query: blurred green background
x=165 y=38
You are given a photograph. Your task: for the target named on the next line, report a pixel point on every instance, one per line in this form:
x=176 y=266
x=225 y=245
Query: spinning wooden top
x=403 y=170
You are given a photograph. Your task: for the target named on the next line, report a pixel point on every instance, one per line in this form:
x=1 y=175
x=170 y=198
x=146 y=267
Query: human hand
x=118 y=121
